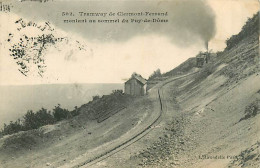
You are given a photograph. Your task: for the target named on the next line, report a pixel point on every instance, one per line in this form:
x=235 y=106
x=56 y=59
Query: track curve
x=136 y=137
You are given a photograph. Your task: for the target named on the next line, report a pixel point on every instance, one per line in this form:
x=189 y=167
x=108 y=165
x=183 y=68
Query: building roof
x=139 y=78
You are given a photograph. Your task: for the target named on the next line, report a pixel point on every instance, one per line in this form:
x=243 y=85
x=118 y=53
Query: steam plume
x=188 y=20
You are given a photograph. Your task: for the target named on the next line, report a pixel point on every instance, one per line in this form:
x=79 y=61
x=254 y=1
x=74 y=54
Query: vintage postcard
x=129 y=83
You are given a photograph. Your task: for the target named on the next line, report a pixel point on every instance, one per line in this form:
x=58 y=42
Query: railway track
x=136 y=137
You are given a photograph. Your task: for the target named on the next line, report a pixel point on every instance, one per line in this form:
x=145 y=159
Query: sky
x=112 y=52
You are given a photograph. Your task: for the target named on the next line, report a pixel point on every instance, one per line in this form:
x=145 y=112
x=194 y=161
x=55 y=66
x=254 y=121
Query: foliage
x=219 y=53
x=251 y=26
x=96 y=97
x=33 y=120
x=13 y=127
x=75 y=112
x=30 y=121
x=60 y=114
x=117 y=92
x=101 y=105
x=155 y=74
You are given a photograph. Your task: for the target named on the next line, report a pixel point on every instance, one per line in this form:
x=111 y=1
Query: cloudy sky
x=114 y=51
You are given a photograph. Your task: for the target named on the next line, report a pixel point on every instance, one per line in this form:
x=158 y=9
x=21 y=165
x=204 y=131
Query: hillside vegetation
x=250 y=28
x=95 y=109
x=33 y=120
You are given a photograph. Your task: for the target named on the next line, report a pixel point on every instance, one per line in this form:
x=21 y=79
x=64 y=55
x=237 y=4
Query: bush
x=251 y=27
x=60 y=114
x=117 y=92
x=12 y=128
x=75 y=112
x=30 y=121
x=38 y=119
x=96 y=97
x=155 y=74
x=44 y=118
x=33 y=120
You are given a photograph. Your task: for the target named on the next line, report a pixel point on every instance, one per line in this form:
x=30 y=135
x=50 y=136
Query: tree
x=44 y=118
x=13 y=127
x=30 y=121
x=60 y=114
x=155 y=74
x=75 y=112
x=117 y=92
x=96 y=97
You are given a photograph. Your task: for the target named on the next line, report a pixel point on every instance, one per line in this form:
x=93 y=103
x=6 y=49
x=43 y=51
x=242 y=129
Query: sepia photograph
x=129 y=84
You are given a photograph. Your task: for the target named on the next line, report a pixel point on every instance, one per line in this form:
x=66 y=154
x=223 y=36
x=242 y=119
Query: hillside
x=188 y=66
x=211 y=118
x=205 y=118
x=214 y=115
x=72 y=139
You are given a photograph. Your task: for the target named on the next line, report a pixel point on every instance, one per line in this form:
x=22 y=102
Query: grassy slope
x=70 y=142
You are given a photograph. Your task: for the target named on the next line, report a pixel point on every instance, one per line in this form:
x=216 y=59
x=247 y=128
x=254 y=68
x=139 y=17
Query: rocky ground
x=247 y=158
x=211 y=134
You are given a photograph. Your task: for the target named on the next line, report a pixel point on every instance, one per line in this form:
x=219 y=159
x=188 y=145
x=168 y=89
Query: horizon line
x=56 y=84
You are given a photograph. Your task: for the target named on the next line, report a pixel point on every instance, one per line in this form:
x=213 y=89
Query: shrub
x=40 y=118
x=75 y=112
x=44 y=118
x=13 y=127
x=117 y=92
x=96 y=97
x=155 y=74
x=250 y=27
x=33 y=120
x=60 y=114
x=30 y=120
